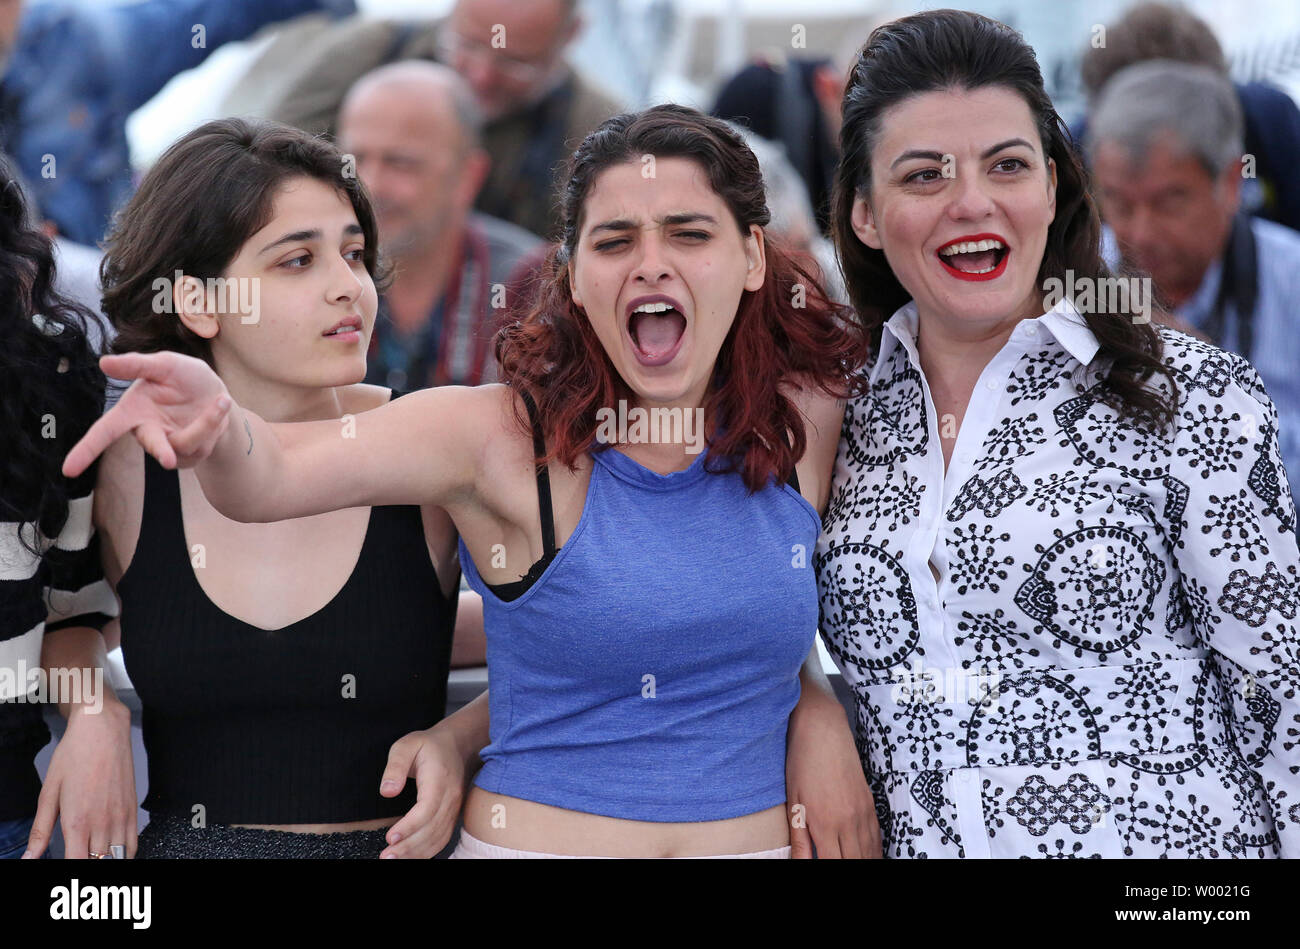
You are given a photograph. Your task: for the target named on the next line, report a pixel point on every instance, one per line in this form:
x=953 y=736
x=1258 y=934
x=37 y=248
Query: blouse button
x=992 y=384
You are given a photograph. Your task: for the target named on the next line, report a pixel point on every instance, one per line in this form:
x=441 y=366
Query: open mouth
x=656 y=327
x=977 y=257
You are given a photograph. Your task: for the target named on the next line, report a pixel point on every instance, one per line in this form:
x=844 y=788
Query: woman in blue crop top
x=684 y=377
x=278 y=663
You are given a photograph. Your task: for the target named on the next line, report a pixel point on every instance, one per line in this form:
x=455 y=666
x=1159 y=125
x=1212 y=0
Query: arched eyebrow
x=306 y=237
x=1009 y=143
x=937 y=156
x=684 y=217
x=916 y=153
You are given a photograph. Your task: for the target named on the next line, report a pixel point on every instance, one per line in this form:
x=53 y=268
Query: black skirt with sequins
x=173 y=837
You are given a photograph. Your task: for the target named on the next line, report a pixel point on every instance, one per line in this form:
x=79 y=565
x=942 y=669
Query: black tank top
x=290 y=726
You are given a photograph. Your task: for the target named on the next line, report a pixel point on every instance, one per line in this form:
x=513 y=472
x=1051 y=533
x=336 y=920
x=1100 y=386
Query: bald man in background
x=413 y=130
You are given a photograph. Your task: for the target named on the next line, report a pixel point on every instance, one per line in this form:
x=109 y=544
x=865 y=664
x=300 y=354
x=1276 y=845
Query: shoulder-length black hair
x=955 y=49
x=51 y=387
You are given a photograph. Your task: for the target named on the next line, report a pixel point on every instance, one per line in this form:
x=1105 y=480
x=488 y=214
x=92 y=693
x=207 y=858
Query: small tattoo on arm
x=250 y=436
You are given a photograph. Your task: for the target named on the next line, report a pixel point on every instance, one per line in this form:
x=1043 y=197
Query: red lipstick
x=993 y=274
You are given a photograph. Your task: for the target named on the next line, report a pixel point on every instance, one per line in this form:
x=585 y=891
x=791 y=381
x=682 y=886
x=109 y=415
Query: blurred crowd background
x=649 y=51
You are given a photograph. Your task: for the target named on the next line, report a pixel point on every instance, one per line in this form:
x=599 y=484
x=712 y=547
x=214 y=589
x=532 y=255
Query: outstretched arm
x=423 y=449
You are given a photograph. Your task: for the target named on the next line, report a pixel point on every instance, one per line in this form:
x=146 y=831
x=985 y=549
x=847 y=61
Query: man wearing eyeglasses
x=510 y=52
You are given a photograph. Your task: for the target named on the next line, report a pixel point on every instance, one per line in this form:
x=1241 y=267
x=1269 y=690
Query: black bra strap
x=793 y=480
x=543 y=478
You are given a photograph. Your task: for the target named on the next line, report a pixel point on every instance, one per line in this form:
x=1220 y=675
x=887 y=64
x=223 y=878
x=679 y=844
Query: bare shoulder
x=492 y=433
x=823 y=416
x=824 y=412
x=362 y=397
x=504 y=413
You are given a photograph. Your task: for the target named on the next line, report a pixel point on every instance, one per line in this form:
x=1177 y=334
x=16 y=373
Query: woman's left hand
x=89 y=786
x=828 y=799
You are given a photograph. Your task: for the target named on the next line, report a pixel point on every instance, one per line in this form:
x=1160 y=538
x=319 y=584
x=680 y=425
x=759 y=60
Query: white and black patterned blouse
x=1107 y=664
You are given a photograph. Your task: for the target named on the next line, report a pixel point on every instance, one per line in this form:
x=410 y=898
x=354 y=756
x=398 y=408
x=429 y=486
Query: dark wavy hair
x=954 y=49
x=210 y=192
x=555 y=355
x=51 y=387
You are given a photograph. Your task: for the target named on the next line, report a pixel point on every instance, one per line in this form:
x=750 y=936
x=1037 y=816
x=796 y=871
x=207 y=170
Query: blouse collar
x=1062 y=322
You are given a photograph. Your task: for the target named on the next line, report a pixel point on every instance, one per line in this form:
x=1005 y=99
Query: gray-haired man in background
x=414 y=131
x=1165 y=140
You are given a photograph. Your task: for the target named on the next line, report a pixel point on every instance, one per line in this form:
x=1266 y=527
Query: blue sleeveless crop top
x=650 y=670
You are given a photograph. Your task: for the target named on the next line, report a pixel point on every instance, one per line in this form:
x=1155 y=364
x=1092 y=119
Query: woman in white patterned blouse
x=1060 y=565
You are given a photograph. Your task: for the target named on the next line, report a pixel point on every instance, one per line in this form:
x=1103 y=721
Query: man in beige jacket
x=511 y=52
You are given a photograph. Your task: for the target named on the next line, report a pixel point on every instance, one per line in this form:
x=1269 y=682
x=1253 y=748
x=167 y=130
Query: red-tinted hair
x=554 y=355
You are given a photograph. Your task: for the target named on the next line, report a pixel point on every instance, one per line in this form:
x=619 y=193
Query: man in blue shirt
x=1165 y=140
x=1150 y=31
x=74 y=72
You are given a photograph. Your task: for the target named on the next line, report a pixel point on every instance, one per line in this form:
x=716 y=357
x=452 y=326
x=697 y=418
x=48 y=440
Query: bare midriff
x=511 y=822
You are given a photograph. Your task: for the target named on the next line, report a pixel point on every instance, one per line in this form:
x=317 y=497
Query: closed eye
x=612 y=244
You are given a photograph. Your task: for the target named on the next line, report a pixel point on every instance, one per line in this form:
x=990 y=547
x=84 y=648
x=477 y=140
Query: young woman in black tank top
x=284 y=669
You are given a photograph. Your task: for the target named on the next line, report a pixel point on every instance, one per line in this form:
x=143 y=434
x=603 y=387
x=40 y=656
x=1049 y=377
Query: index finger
x=107 y=429
x=47 y=809
x=137 y=365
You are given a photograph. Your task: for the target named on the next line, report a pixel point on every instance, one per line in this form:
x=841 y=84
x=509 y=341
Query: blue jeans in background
x=13 y=837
